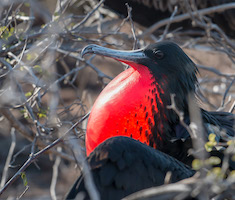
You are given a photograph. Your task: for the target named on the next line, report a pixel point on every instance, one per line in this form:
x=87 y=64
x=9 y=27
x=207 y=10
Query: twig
x=87 y=16
x=10 y=153
x=23 y=98
x=195 y=129
x=89 y=183
x=226 y=92
x=215 y=71
x=129 y=16
x=181 y=116
x=27 y=133
x=206 y=11
x=232 y=107
x=23 y=193
x=55 y=175
x=164 y=192
x=33 y=157
x=99 y=73
x=18 y=153
x=163 y=36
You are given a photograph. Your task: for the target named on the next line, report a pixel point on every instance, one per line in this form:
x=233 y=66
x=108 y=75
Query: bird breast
x=126 y=107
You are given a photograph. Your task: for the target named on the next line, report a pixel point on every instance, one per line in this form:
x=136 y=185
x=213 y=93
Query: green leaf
x=211 y=143
x=231 y=142
x=25 y=113
x=28 y=94
x=27 y=4
x=29 y=56
x=12 y=29
x=21 y=68
x=56 y=14
x=213 y=160
x=209 y=146
x=5 y=32
x=37 y=68
x=212 y=137
x=216 y=171
x=24 y=178
x=233 y=158
x=22 y=13
x=197 y=164
x=42 y=113
x=232 y=174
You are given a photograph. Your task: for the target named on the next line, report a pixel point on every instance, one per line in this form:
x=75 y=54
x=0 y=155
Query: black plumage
x=121 y=166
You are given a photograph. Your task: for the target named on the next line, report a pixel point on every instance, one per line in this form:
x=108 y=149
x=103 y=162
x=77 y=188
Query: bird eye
x=158 y=53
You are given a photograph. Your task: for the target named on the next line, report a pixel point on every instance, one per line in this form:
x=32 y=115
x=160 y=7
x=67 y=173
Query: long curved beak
x=124 y=56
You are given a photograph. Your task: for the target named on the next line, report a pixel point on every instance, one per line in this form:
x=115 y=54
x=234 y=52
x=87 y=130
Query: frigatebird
x=134 y=105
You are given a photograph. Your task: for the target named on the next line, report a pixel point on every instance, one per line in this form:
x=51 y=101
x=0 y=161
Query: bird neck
x=167 y=119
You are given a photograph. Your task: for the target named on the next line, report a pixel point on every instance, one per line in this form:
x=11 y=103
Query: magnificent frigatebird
x=134 y=104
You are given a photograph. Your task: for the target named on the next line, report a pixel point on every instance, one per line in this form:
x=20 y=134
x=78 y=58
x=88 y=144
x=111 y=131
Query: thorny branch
x=34 y=156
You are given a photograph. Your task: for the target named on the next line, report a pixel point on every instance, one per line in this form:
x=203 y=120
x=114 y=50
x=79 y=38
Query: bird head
x=135 y=103
x=164 y=60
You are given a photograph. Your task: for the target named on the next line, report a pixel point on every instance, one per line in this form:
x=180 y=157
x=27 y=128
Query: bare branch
x=36 y=155
x=10 y=153
x=178 y=18
x=55 y=175
x=88 y=16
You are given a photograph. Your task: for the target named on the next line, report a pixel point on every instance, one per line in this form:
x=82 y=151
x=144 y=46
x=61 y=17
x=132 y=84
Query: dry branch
x=179 y=18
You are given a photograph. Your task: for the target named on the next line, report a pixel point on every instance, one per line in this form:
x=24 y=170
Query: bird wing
x=122 y=165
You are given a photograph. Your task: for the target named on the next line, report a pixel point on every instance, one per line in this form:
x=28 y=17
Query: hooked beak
x=124 y=56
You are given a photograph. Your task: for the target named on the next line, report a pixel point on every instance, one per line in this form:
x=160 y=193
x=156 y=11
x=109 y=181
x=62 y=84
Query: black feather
x=146 y=168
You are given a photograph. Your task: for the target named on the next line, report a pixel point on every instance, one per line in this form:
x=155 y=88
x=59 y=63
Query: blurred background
x=46 y=87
